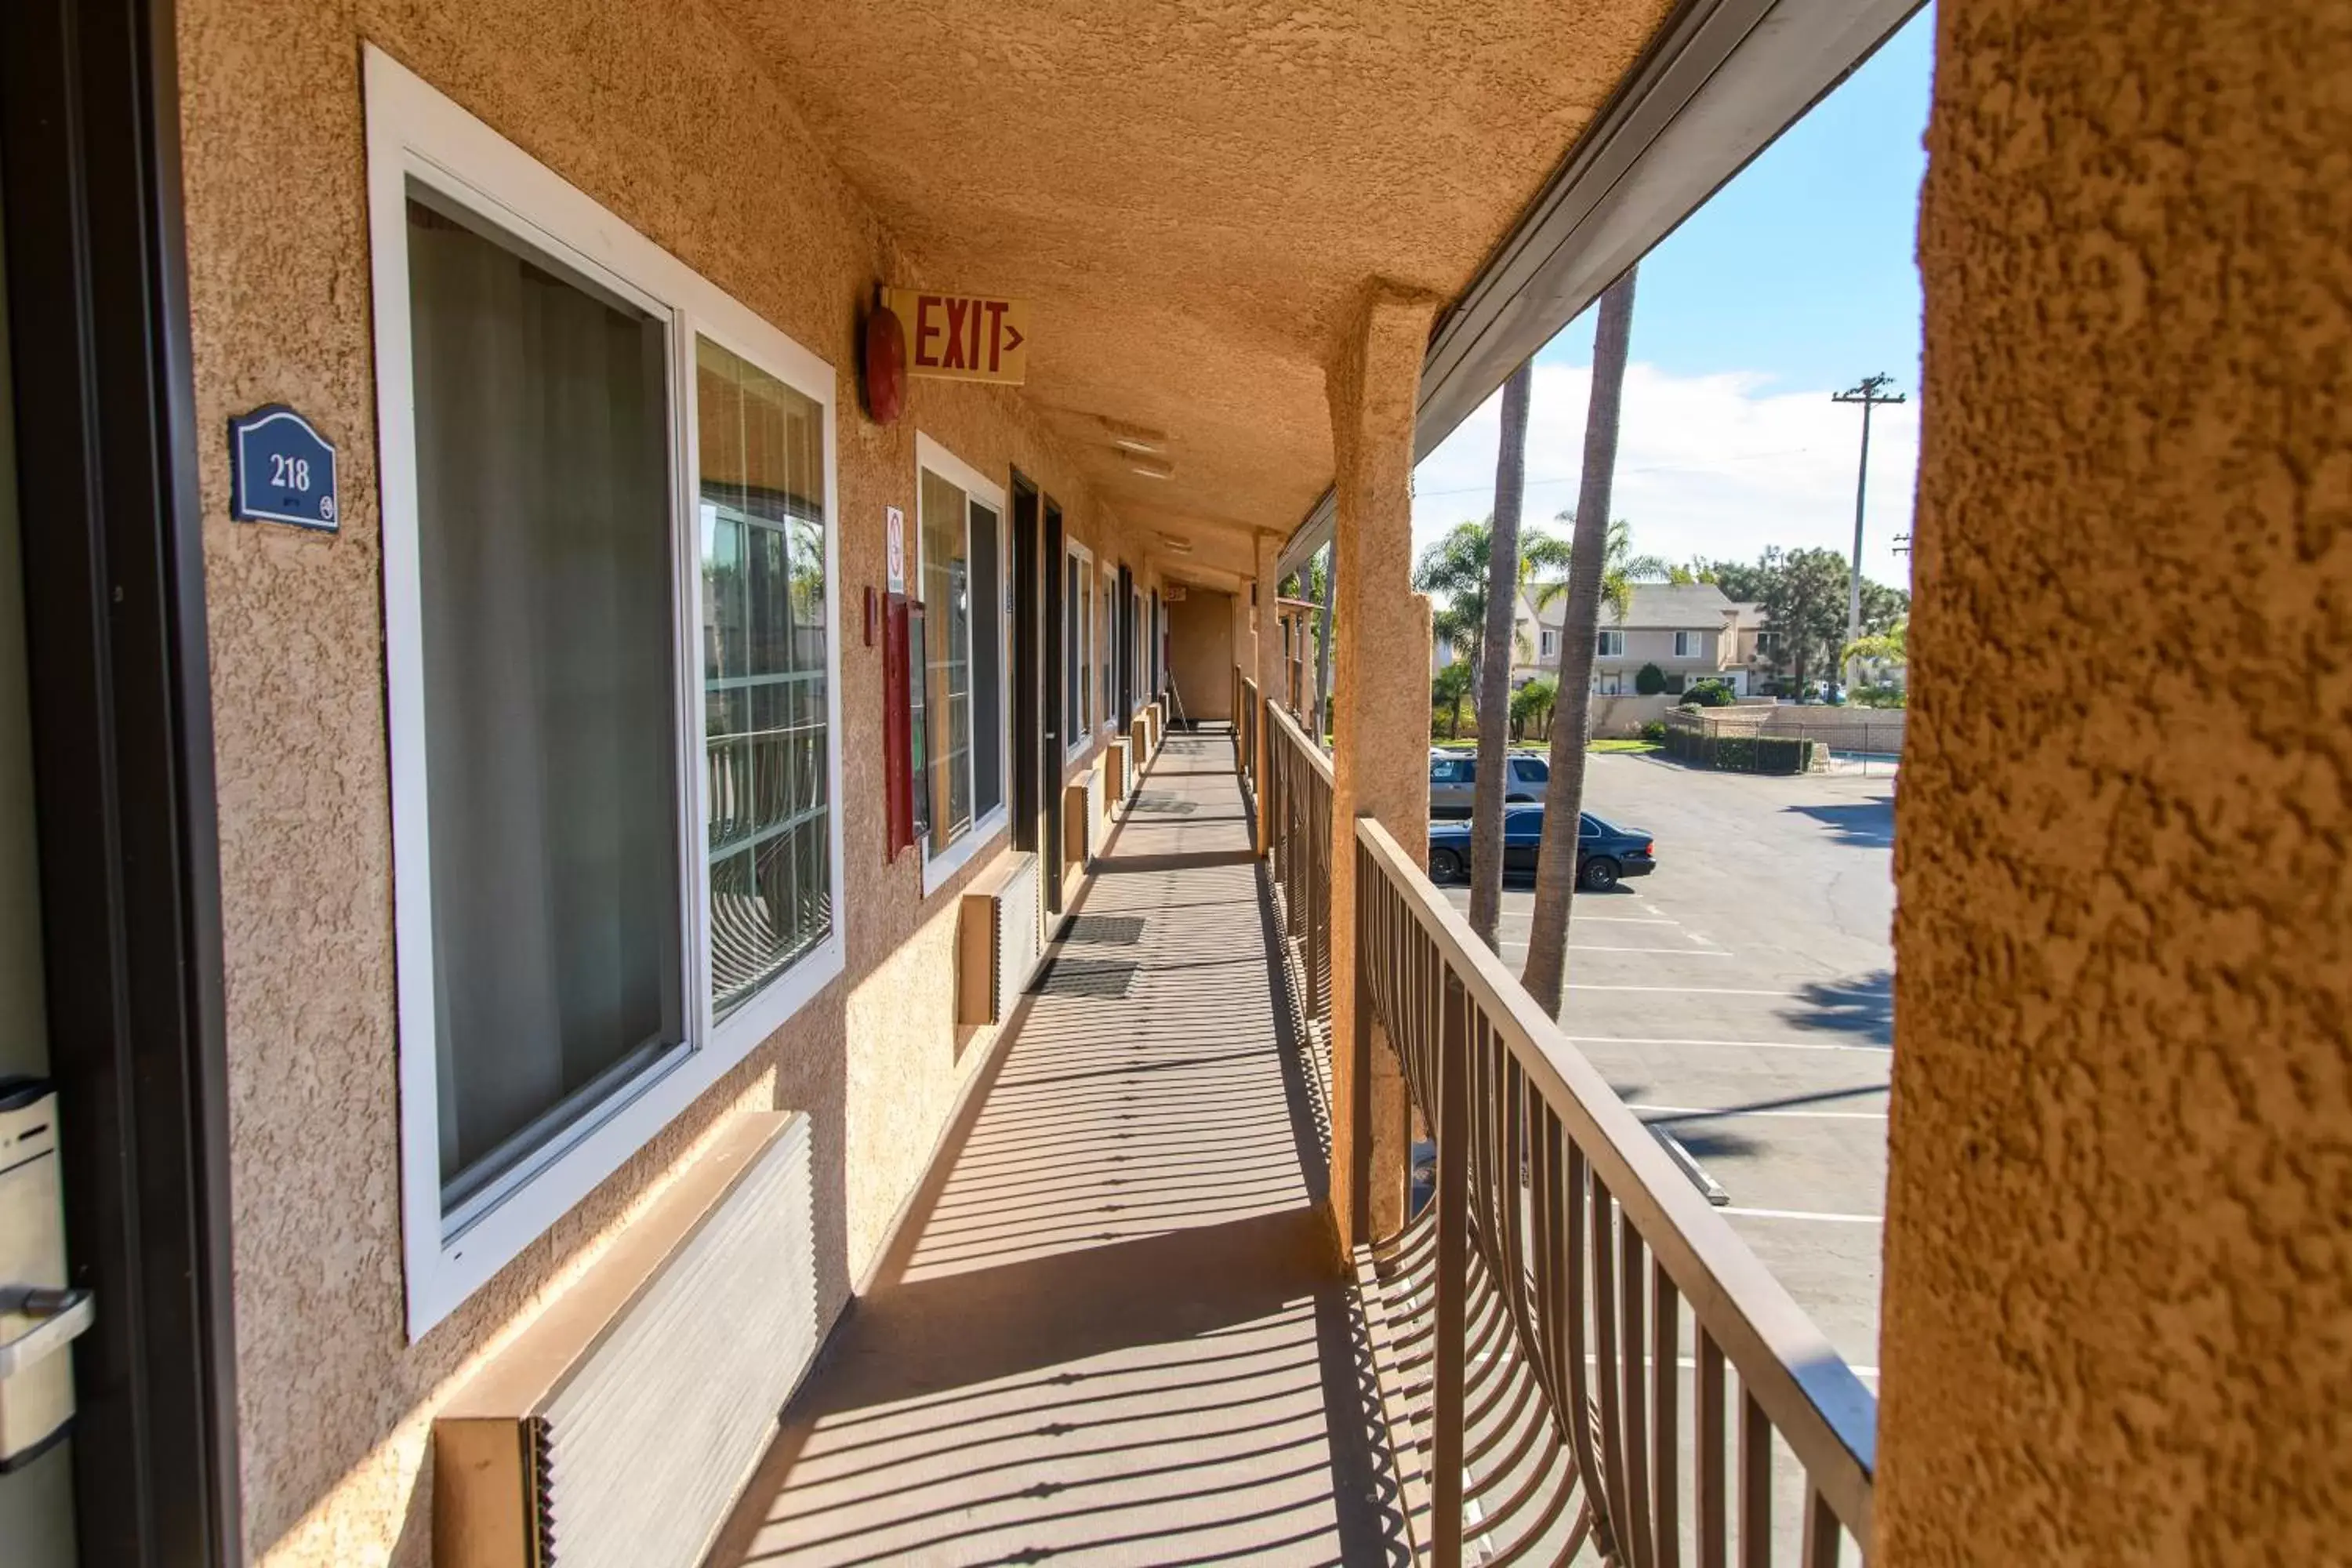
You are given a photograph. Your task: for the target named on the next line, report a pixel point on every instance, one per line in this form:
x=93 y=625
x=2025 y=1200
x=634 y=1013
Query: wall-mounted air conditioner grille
x=619 y=1429
x=997 y=940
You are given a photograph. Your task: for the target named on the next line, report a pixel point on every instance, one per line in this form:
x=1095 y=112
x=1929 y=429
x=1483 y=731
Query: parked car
x=1453 y=779
x=1604 y=851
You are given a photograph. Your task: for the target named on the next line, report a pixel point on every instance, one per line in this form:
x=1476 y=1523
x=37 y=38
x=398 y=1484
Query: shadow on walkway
x=1112 y=1329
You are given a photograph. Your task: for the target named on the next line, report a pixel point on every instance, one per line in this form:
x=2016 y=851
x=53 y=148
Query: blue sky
x=1797 y=280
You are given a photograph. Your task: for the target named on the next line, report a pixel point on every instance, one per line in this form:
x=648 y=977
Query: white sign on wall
x=896 y=522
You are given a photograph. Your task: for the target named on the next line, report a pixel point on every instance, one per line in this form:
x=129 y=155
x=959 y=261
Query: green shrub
x=1654 y=731
x=1708 y=693
x=1740 y=753
x=1649 y=681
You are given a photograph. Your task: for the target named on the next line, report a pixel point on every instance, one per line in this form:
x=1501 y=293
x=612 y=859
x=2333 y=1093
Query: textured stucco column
x=1380 y=762
x=2118 y=1297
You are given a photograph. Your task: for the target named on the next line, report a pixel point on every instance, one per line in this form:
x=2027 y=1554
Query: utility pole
x=1870 y=392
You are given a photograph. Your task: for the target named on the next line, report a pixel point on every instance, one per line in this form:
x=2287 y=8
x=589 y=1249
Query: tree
x=1879 y=647
x=1649 y=681
x=1803 y=598
x=1448 y=689
x=1884 y=609
x=1453 y=571
x=1556 y=867
x=1739 y=581
x=1533 y=702
x=1496 y=646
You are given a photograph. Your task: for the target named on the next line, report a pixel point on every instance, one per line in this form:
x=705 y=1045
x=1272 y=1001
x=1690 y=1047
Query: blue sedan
x=1604 y=851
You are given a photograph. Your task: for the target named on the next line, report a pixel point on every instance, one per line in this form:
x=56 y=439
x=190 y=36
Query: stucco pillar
x=1266 y=630
x=2119 y=1204
x=1380 y=761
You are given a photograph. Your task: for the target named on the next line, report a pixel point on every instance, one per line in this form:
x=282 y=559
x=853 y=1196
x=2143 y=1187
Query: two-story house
x=1689 y=630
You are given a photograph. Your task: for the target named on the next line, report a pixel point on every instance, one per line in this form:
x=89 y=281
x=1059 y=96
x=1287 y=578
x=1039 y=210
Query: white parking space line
x=1806 y=1213
x=1760 y=1044
x=1683 y=990
x=1668 y=952
x=1713 y=1115
x=1690 y=1363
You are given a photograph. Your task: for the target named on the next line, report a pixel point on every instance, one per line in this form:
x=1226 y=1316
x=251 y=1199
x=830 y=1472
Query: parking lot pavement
x=1741 y=998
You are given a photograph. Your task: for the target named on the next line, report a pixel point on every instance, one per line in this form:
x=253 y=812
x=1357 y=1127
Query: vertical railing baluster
x=1453 y=1282
x=1606 y=1374
x=1713 y=1537
x=1821 y=1548
x=1665 y=1417
x=1755 y=1484
x=1580 y=1382
x=1632 y=1281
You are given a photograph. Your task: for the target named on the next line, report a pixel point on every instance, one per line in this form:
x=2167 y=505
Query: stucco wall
x=651 y=108
x=2119 y=1248
x=1200 y=652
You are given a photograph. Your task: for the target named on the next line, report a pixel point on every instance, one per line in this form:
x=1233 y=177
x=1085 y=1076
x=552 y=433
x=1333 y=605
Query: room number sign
x=281 y=470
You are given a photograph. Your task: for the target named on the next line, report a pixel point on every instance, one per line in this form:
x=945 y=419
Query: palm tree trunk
x=1494 y=668
x=1547 y=971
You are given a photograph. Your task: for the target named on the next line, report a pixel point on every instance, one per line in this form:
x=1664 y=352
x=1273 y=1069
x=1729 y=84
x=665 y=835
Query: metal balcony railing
x=1580 y=1360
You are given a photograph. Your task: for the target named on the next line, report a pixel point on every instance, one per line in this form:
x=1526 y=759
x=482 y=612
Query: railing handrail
x=1286 y=726
x=1805 y=1388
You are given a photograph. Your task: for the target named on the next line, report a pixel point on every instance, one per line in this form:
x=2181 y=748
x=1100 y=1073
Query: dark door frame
x=1056 y=680
x=123 y=765
x=1124 y=622
x=1028 y=735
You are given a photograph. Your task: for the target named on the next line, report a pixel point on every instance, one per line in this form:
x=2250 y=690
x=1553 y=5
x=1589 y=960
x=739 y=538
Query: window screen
x=987 y=662
x=947 y=660
x=760 y=502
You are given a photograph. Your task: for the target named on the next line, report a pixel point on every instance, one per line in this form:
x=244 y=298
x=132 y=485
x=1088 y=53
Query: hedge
x=1740 y=754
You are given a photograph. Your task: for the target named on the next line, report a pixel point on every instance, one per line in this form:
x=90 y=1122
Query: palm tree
x=1446 y=690
x=1556 y=867
x=1879 y=647
x=1496 y=640
x=1619 y=569
x=1454 y=571
x=1533 y=702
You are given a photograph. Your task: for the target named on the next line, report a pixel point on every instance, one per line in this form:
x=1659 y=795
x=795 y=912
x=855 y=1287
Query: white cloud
x=1711 y=465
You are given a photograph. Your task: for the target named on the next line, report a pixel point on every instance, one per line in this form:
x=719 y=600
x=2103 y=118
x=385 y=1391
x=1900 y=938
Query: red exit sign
x=963 y=337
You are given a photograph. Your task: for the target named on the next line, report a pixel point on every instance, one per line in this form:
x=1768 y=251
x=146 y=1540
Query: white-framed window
x=1609 y=645
x=611 y=573
x=1079 y=644
x=1686 y=645
x=960 y=577
x=1134 y=635
x=1106 y=650
x=1548 y=645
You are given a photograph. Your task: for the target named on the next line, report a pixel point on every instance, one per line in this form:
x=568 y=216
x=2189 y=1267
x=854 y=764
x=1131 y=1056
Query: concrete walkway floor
x=1110 y=1330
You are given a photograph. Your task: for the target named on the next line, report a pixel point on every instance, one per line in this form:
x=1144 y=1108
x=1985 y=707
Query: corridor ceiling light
x=1135 y=438
x=1177 y=542
x=1151 y=468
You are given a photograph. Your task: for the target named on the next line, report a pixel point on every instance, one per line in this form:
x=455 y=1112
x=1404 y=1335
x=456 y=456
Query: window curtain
x=544 y=544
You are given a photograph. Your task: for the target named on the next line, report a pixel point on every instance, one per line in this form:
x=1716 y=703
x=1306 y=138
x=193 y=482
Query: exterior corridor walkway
x=1110 y=1330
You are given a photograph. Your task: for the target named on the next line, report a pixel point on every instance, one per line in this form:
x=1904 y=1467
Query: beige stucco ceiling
x=1191 y=195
